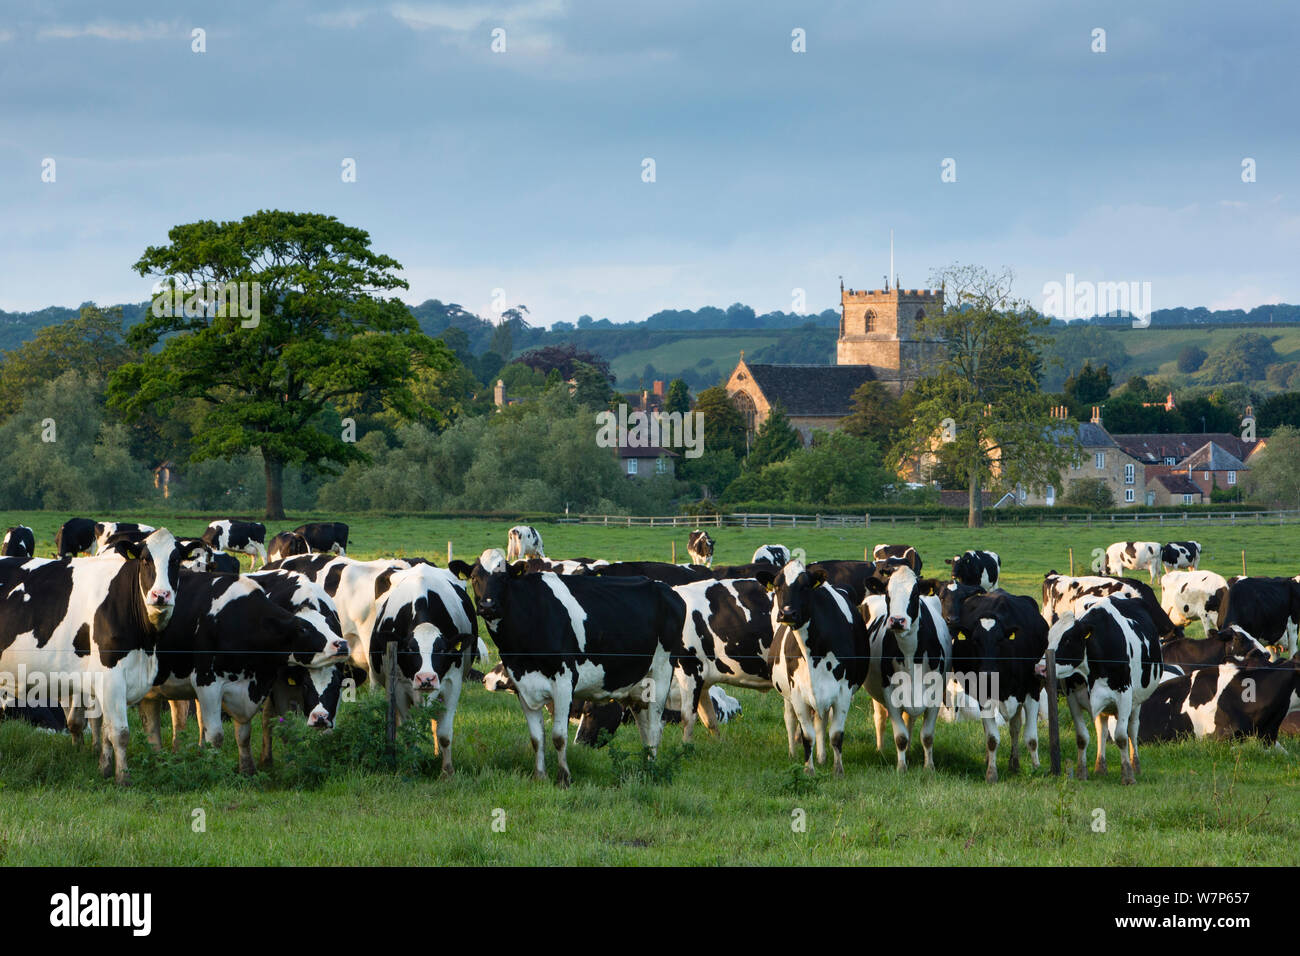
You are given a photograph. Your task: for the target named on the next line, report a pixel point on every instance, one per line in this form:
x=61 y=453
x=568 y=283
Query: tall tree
x=984 y=399
x=775 y=441
x=92 y=343
x=678 y=398
x=325 y=333
x=877 y=414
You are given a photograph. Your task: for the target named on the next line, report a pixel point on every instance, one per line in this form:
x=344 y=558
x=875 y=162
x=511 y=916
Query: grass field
x=737 y=798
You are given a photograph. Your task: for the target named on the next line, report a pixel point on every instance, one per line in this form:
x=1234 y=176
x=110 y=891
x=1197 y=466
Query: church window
x=748 y=410
x=869 y=320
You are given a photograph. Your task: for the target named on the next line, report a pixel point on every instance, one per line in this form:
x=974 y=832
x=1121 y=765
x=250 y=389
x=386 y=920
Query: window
x=1050 y=496
x=1187 y=499
x=1207 y=476
x=1170 y=461
x=1100 y=459
x=869 y=320
x=1232 y=477
x=1128 y=474
x=748 y=410
x=631 y=466
x=661 y=465
x=1129 y=496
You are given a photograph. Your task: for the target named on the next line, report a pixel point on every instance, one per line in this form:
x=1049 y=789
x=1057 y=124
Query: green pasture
x=737 y=798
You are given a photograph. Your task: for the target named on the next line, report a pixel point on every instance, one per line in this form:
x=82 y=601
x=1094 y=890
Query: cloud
x=341 y=19
x=461 y=18
x=6 y=36
x=132 y=32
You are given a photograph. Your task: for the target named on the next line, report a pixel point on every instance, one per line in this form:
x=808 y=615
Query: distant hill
x=701 y=346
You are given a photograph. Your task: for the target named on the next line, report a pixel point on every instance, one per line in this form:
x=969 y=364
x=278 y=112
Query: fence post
x=449 y=551
x=1243 y=562
x=390 y=679
x=675 y=554
x=1053 y=716
x=1072 y=562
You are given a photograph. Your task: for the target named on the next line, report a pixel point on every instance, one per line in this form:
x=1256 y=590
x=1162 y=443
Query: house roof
x=1088 y=434
x=645 y=451
x=1210 y=457
x=811 y=390
x=1179 y=484
x=1154 y=449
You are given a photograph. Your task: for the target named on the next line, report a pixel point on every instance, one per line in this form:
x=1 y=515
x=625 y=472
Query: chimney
x=659 y=387
x=499 y=394
x=1096 y=414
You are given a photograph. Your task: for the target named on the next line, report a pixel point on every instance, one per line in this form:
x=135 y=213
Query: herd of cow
x=153 y=618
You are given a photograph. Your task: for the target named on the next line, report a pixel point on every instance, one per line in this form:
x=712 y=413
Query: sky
x=524 y=169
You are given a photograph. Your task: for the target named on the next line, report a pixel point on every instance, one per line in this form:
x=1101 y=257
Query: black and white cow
x=121 y=531
x=818 y=657
x=777 y=555
x=662 y=571
x=977 y=568
x=76 y=536
x=1180 y=555
x=287 y=544
x=1268 y=608
x=579 y=638
x=910 y=656
x=1062 y=594
x=248 y=537
x=1185 y=596
x=699 y=545
x=898 y=552
x=87 y=628
x=727 y=638
x=322 y=536
x=524 y=541
x=564 y=566
x=1231 y=644
x=1133 y=555
x=225 y=647
x=1225 y=701
x=997 y=639
x=1110 y=662
x=426 y=614
x=19 y=542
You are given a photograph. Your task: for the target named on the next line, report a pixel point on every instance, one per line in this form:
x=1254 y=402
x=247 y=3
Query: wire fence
x=867 y=520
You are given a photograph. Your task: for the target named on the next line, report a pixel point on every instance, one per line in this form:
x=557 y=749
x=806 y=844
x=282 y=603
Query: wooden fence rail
x=777 y=520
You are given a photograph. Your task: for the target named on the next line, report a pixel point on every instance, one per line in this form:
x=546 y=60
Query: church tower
x=880 y=328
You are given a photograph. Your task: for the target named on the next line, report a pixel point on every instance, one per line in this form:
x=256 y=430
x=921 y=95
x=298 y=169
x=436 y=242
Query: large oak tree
x=328 y=333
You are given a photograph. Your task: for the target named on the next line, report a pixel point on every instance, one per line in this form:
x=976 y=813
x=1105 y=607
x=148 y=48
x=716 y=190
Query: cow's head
x=430 y=617
x=792 y=589
x=952 y=596
x=321 y=689
x=599 y=722
x=701 y=546
x=489 y=577
x=903 y=591
x=498 y=679
x=1069 y=637
x=1240 y=647
x=159 y=559
x=309 y=645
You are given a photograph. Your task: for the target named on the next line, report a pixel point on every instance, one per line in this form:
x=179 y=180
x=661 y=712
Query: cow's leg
x=75 y=715
x=707 y=713
x=1032 y=710
x=1016 y=724
x=266 y=758
x=878 y=717
x=1103 y=738
x=261 y=551
x=151 y=718
x=536 y=726
x=116 y=732
x=808 y=726
x=902 y=736
x=209 y=704
x=791 y=724
x=1135 y=714
x=927 y=735
x=1122 y=720
x=180 y=720
x=991 y=740
x=560 y=729
x=819 y=734
x=838 y=718
x=443 y=731
x=1077 y=713
x=689 y=688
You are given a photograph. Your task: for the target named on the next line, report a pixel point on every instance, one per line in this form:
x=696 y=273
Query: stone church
x=879 y=341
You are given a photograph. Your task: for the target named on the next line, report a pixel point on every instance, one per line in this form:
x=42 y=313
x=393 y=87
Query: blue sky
x=775 y=170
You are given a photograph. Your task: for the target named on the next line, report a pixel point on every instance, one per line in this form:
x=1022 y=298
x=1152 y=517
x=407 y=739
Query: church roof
x=811 y=390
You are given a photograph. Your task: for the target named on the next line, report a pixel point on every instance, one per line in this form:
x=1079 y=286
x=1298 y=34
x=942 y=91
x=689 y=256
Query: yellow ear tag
x=1011 y=637
x=292 y=682
x=961 y=637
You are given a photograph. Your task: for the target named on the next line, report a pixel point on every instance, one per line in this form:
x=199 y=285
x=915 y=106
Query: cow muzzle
x=320 y=718
x=426 y=681
x=339 y=647
x=898 y=623
x=1041 y=668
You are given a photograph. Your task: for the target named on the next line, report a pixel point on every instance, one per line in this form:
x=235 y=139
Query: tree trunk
x=975 y=517
x=274 y=486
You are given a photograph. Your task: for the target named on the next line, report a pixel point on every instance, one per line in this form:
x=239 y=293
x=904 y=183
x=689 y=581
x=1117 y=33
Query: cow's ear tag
x=769 y=586
x=1011 y=637
x=961 y=637
x=292 y=682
